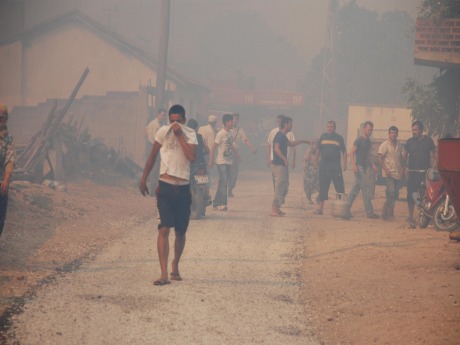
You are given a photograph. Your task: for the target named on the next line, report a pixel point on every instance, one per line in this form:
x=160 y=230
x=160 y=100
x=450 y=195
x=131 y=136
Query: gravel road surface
x=241 y=284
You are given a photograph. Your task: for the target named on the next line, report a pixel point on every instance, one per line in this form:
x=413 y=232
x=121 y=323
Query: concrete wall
x=118 y=118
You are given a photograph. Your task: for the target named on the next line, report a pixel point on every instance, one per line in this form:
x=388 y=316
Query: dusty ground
x=330 y=281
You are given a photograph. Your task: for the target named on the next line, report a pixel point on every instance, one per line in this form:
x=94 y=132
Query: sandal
x=161 y=282
x=175 y=276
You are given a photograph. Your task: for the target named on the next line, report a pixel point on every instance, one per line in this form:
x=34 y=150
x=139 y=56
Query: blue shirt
x=283 y=142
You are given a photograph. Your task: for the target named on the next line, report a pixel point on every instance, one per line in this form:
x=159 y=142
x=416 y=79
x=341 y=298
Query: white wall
x=383 y=118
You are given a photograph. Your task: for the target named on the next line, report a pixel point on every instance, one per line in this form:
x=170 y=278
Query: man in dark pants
x=223 y=143
x=176 y=143
x=417 y=155
x=332 y=157
x=390 y=159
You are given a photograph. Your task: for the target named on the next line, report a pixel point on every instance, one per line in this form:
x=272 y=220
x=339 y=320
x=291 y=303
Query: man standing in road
x=176 y=143
x=360 y=156
x=271 y=136
x=151 y=130
x=391 y=161
x=280 y=165
x=269 y=147
x=419 y=150
x=332 y=157
x=225 y=151
x=239 y=136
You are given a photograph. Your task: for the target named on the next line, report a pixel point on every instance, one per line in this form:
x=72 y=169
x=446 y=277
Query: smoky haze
x=264 y=45
x=269 y=43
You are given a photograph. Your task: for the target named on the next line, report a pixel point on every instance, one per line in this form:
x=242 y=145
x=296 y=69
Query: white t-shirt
x=152 y=129
x=173 y=159
x=224 y=141
x=392 y=156
x=271 y=137
x=208 y=135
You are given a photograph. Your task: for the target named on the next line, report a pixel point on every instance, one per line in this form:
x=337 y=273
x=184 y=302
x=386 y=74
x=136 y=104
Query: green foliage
x=235 y=43
x=375 y=57
x=425 y=106
x=436 y=104
x=440 y=9
x=375 y=53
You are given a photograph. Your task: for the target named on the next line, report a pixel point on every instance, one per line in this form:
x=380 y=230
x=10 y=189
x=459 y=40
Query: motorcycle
x=434 y=204
x=199 y=181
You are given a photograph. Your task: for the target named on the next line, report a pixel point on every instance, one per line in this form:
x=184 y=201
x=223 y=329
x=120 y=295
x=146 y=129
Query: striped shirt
x=331 y=145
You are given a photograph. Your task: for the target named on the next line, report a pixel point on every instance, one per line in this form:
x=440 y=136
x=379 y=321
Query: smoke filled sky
x=302 y=22
x=297 y=26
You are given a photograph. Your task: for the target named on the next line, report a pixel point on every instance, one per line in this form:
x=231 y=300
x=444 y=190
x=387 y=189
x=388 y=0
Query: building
x=45 y=62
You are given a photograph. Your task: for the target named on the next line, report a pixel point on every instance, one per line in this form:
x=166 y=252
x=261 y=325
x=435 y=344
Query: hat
x=212 y=118
x=3 y=109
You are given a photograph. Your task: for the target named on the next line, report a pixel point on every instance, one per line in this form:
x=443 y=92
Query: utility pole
x=328 y=105
x=162 y=55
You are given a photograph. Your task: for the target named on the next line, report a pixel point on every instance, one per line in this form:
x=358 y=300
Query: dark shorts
x=414 y=184
x=174 y=206
x=325 y=178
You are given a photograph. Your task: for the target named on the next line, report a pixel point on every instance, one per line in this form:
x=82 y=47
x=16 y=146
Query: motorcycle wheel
x=446 y=222
x=423 y=220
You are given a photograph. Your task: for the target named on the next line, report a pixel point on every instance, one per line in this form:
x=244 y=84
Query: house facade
x=46 y=61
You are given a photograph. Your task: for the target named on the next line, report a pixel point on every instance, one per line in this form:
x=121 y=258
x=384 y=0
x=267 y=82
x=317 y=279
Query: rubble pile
x=57 y=152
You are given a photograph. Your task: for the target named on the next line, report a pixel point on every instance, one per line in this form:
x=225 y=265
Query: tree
x=374 y=59
x=437 y=103
x=242 y=45
x=440 y=9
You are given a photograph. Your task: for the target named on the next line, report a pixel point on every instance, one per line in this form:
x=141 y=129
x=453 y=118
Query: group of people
x=327 y=159
x=324 y=161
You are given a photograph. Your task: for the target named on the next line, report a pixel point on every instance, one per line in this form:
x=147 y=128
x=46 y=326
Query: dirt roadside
x=361 y=281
